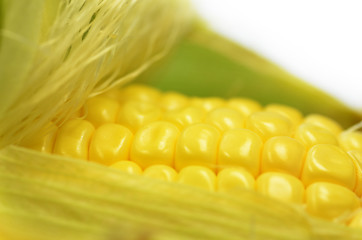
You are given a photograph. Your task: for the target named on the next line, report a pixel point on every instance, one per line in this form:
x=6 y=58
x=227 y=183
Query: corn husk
x=61 y=198
x=56 y=54
x=76 y=49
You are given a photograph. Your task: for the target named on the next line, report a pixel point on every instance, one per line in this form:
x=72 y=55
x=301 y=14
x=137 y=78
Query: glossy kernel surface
x=269 y=124
x=100 y=110
x=173 y=101
x=138 y=92
x=155 y=144
x=356 y=156
x=283 y=154
x=311 y=135
x=330 y=201
x=73 y=139
x=197 y=145
x=110 y=143
x=225 y=119
x=161 y=172
x=135 y=114
x=329 y=163
x=127 y=166
x=281 y=186
x=198 y=176
x=185 y=116
x=232 y=180
x=207 y=104
x=324 y=122
x=351 y=140
x=240 y=148
x=292 y=114
x=244 y=106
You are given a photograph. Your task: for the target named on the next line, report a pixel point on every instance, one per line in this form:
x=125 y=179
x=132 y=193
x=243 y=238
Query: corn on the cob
x=56 y=54
x=221 y=146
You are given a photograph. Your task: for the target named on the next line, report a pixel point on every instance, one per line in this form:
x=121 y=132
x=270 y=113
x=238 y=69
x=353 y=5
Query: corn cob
x=56 y=54
x=220 y=146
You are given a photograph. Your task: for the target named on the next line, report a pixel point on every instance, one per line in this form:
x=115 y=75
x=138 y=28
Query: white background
x=320 y=41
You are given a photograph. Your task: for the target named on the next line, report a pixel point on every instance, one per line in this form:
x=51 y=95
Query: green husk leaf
x=72 y=199
x=54 y=54
x=206 y=64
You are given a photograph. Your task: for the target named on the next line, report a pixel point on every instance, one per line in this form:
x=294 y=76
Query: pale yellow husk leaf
x=63 y=198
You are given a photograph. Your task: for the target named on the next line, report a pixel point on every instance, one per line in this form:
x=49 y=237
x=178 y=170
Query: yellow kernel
x=240 y=148
x=161 y=172
x=197 y=145
x=356 y=156
x=73 y=139
x=281 y=186
x=154 y=143
x=324 y=122
x=233 y=180
x=207 y=104
x=225 y=119
x=291 y=113
x=142 y=93
x=351 y=140
x=43 y=140
x=185 y=116
x=135 y=114
x=110 y=143
x=330 y=201
x=311 y=135
x=283 y=154
x=198 y=176
x=269 y=124
x=244 y=106
x=329 y=163
x=173 y=101
x=100 y=110
x=127 y=166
